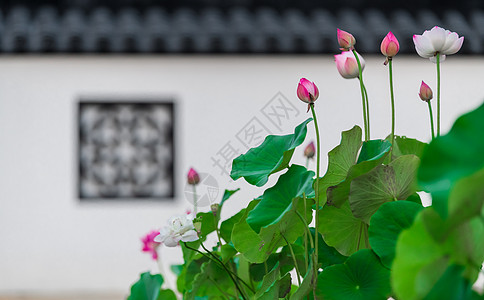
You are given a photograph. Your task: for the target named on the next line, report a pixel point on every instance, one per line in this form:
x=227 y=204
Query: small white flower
x=179 y=228
x=437 y=40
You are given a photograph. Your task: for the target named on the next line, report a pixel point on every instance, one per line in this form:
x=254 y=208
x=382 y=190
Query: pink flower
x=437 y=40
x=192 y=177
x=310 y=150
x=345 y=39
x=149 y=244
x=425 y=92
x=347 y=65
x=307 y=91
x=390 y=46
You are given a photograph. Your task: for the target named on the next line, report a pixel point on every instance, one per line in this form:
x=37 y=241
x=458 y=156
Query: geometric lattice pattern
x=126 y=150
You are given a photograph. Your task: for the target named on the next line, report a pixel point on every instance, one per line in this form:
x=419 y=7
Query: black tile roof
x=47 y=29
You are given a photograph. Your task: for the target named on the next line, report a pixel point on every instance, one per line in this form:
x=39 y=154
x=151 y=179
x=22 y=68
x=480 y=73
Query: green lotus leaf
x=372 y=154
x=328 y=255
x=361 y=277
x=384 y=183
x=406 y=146
x=147 y=287
x=387 y=224
x=341 y=230
x=451 y=157
x=277 y=200
x=257 y=247
x=273 y=155
x=274 y=286
x=211 y=281
x=340 y=159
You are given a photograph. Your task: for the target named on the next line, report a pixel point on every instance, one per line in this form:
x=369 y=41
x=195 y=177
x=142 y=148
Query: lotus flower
x=425 y=92
x=347 y=65
x=389 y=46
x=149 y=244
x=307 y=91
x=345 y=39
x=192 y=177
x=310 y=150
x=179 y=228
x=437 y=41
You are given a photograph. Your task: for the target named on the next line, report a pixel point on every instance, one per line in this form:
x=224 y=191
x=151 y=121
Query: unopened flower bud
x=347 y=65
x=214 y=208
x=390 y=46
x=425 y=92
x=192 y=177
x=345 y=39
x=197 y=225
x=307 y=91
x=310 y=150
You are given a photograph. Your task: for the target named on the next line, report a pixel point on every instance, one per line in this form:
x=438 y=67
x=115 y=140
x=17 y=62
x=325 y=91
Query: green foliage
x=449 y=158
x=384 y=183
x=211 y=280
x=368 y=199
x=387 y=224
x=342 y=230
x=407 y=146
x=420 y=260
x=361 y=277
x=372 y=154
x=340 y=160
x=257 y=247
x=272 y=156
x=274 y=286
x=277 y=200
x=328 y=255
x=148 y=287
x=306 y=285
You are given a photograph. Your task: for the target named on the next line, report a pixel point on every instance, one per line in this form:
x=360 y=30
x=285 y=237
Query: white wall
x=50 y=242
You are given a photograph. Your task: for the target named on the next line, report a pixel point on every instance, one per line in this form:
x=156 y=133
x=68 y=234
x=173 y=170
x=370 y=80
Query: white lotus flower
x=437 y=40
x=179 y=228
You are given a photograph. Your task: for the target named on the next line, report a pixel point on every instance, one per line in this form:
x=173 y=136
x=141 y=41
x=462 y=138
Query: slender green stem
x=218 y=262
x=215 y=221
x=363 y=100
x=306 y=260
x=316 y=190
x=316 y=193
x=194 y=200
x=222 y=264
x=227 y=270
x=367 y=111
x=431 y=119
x=307 y=162
x=311 y=242
x=438 y=94
x=293 y=259
x=392 y=136
x=226 y=295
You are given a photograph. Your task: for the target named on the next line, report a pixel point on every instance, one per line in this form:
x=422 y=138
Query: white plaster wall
x=52 y=243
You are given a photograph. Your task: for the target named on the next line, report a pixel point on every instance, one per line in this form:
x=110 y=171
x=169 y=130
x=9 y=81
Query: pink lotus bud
x=310 y=150
x=425 y=92
x=345 y=39
x=149 y=244
x=347 y=65
x=390 y=46
x=192 y=177
x=307 y=91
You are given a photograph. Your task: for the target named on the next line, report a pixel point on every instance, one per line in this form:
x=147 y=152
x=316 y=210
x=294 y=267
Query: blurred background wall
x=57 y=54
